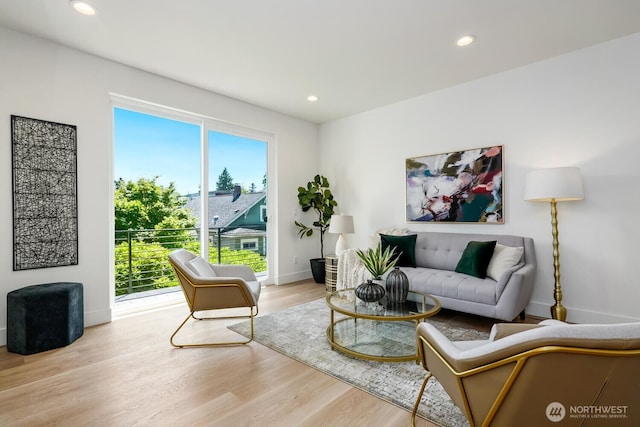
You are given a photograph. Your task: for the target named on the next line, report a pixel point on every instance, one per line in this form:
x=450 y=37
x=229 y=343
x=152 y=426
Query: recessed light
x=466 y=40
x=83 y=7
x=312 y=98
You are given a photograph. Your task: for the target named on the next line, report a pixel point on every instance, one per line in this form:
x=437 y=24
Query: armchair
x=213 y=287
x=537 y=375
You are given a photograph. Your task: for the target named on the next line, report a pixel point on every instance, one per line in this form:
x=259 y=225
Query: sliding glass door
x=184 y=181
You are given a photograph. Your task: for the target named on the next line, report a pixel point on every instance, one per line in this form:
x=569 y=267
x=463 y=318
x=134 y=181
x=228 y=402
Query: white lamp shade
x=341 y=224
x=559 y=184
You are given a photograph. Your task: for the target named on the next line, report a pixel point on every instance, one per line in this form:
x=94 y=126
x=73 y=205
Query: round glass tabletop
x=417 y=306
x=382 y=331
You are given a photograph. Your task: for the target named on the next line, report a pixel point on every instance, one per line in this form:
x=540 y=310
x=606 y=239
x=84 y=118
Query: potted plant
x=316 y=196
x=377 y=262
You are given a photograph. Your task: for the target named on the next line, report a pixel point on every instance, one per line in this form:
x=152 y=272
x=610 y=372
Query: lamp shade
x=559 y=184
x=341 y=224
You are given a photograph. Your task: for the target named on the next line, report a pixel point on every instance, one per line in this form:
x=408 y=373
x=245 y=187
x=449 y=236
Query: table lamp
x=554 y=185
x=341 y=224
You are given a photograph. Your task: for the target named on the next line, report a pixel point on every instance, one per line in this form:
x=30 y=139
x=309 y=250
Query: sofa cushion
x=201 y=267
x=405 y=246
x=504 y=257
x=449 y=284
x=475 y=258
x=443 y=250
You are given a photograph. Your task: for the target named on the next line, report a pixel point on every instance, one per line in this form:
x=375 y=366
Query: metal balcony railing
x=141 y=255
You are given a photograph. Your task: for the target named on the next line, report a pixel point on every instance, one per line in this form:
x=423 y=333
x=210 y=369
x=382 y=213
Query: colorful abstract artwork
x=461 y=186
x=45 y=207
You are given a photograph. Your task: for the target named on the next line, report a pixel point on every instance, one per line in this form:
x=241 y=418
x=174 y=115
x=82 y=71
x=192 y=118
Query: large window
x=186 y=181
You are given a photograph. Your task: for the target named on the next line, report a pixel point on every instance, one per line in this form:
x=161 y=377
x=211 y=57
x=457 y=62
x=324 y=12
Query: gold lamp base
x=553 y=185
x=559 y=312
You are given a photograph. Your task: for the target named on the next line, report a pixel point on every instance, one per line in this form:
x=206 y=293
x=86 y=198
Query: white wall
x=46 y=81
x=580 y=109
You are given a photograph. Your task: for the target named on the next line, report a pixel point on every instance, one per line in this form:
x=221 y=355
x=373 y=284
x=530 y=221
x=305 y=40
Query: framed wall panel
x=461 y=186
x=45 y=205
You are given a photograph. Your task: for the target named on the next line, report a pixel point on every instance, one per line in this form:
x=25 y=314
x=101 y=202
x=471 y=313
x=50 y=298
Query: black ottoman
x=44 y=317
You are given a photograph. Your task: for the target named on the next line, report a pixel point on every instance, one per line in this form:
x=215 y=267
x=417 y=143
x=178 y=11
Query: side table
x=331 y=273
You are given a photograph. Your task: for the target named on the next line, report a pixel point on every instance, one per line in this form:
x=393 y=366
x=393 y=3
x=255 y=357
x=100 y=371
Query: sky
x=147 y=146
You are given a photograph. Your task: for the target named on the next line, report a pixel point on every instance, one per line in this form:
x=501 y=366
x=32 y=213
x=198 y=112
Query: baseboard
x=538 y=309
x=293 y=277
x=576 y=315
x=92 y=318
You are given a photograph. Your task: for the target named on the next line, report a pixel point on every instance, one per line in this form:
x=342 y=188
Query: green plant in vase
x=317 y=197
x=377 y=262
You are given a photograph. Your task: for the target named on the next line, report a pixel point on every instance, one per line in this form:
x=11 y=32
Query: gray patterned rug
x=300 y=333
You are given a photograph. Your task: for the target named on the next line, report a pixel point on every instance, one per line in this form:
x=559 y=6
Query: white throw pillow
x=504 y=257
x=201 y=267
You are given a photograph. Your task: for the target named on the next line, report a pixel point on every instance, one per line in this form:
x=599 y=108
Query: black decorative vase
x=397 y=285
x=370 y=291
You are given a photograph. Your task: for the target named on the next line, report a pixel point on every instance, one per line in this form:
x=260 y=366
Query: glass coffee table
x=377 y=331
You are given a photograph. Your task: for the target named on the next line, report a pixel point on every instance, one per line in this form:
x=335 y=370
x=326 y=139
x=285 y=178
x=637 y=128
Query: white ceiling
x=355 y=55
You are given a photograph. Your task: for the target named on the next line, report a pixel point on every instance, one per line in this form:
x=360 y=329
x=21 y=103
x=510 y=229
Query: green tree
x=225 y=181
x=149 y=269
x=144 y=204
x=254 y=260
x=264 y=182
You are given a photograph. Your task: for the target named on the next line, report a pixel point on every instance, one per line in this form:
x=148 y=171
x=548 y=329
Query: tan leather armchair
x=548 y=374
x=213 y=287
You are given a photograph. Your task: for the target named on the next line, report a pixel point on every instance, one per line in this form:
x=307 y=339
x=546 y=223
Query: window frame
x=206 y=124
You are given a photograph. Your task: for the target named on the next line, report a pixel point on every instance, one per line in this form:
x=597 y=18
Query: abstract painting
x=45 y=206
x=461 y=186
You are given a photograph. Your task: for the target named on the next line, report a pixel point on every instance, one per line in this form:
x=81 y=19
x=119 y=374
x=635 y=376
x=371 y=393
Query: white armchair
x=209 y=286
x=521 y=370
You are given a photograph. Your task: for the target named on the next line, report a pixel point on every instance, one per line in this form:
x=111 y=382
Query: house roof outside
x=243 y=232
x=225 y=208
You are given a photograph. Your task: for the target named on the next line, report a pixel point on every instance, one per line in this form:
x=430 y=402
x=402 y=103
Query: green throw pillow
x=475 y=258
x=403 y=245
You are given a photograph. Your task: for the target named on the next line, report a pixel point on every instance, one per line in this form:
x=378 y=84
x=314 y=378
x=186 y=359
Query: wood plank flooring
x=126 y=373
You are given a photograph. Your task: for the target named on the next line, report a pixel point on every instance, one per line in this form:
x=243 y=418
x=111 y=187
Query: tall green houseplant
x=317 y=197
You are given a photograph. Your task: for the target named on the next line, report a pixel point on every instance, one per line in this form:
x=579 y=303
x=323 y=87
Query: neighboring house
x=236 y=220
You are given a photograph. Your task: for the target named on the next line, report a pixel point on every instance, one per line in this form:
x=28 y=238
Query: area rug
x=300 y=333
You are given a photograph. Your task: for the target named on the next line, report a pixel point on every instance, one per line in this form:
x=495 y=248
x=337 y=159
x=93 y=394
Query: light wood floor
x=127 y=374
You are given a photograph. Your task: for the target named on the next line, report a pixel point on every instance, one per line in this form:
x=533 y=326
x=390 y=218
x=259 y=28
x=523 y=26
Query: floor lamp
x=554 y=185
x=341 y=224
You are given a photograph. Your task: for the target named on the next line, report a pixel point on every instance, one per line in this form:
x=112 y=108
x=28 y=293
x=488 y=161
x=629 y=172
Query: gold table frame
x=430 y=306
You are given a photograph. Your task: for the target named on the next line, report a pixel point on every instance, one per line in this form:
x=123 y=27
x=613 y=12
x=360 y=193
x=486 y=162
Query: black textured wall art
x=45 y=204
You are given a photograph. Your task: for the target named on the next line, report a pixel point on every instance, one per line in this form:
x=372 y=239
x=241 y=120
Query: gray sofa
x=437 y=255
